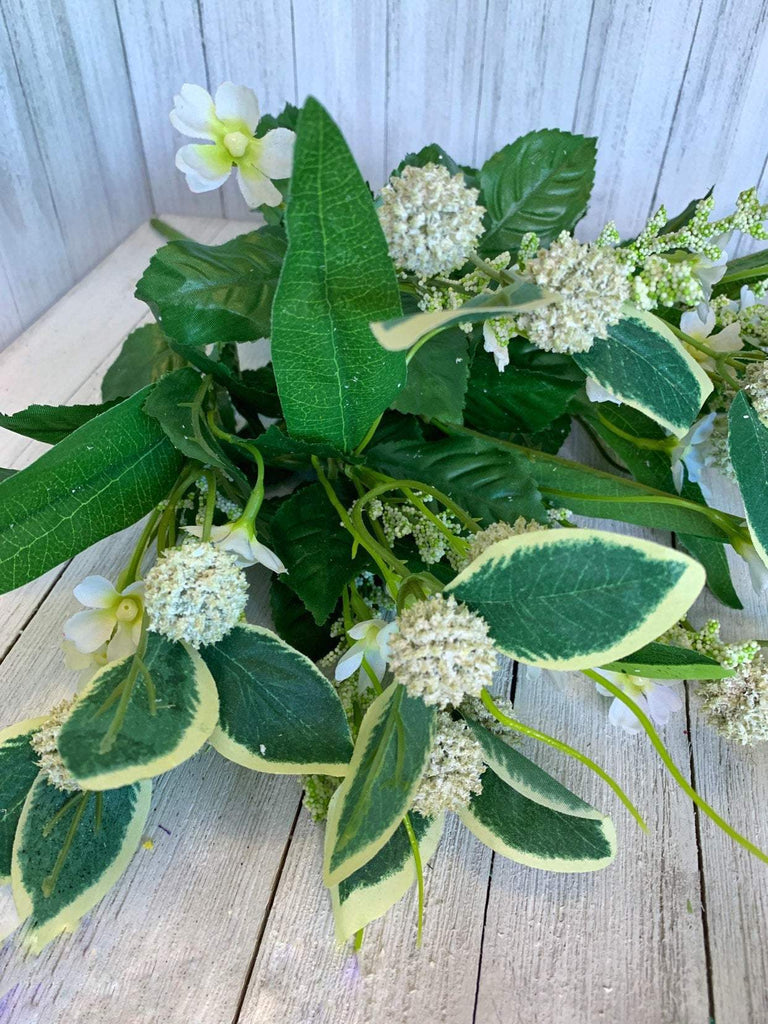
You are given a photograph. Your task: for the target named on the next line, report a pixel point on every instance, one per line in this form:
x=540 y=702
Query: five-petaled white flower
x=701 y=327
x=371 y=638
x=109 y=628
x=657 y=700
x=239 y=539
x=694 y=450
x=228 y=122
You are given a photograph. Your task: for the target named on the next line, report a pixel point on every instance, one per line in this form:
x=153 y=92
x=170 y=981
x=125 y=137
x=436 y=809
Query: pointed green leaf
x=486 y=481
x=185 y=709
x=711 y=553
x=105 y=476
x=108 y=831
x=665 y=661
x=392 y=749
x=333 y=379
x=18 y=770
x=642 y=363
x=748 y=446
x=535 y=835
x=277 y=711
x=51 y=423
x=437 y=379
x=145 y=356
x=370 y=891
x=541 y=182
x=204 y=294
x=569 y=599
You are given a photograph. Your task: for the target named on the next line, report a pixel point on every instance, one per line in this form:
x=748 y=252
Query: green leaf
x=107 y=834
x=541 y=183
x=205 y=294
x=665 y=661
x=105 y=476
x=155 y=736
x=51 y=423
x=437 y=379
x=277 y=711
x=431 y=154
x=642 y=363
x=391 y=751
x=684 y=217
x=710 y=553
x=5 y=474
x=535 y=835
x=527 y=778
x=18 y=770
x=490 y=484
x=535 y=390
x=315 y=549
x=294 y=624
x=145 y=356
x=748 y=447
x=402 y=332
x=744 y=270
x=278 y=447
x=333 y=379
x=570 y=599
x=369 y=892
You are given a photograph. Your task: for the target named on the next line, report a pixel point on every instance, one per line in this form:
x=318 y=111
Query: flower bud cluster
x=707 y=641
x=44 y=742
x=405 y=520
x=737 y=707
x=500 y=531
x=756 y=386
x=454 y=770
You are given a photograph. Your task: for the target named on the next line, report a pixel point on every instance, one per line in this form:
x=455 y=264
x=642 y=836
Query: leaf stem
x=167 y=231
x=419 y=875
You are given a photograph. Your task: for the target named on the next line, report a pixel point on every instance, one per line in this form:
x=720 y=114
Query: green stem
x=369 y=436
x=564 y=748
x=126 y=690
x=489 y=271
x=131 y=572
x=168 y=232
x=671 y=767
x=390 y=484
x=657 y=443
x=419 y=874
x=359 y=939
x=257 y=494
x=210 y=504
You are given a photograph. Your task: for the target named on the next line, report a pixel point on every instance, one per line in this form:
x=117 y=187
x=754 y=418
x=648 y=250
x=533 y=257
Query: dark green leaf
x=278 y=447
x=51 y=423
x=334 y=379
x=437 y=379
x=18 y=770
x=710 y=553
x=665 y=661
x=748 y=446
x=540 y=183
x=741 y=271
x=278 y=713
x=203 y=294
x=431 y=154
x=489 y=483
x=144 y=358
x=294 y=624
x=103 y=477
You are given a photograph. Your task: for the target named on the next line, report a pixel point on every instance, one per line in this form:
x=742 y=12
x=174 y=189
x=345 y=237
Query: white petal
x=75 y=660
x=621 y=717
x=350 y=661
x=677 y=474
x=122 y=643
x=663 y=701
x=698 y=326
x=727 y=340
x=276 y=153
x=237 y=103
x=597 y=393
x=90 y=629
x=206 y=167
x=256 y=188
x=267 y=557
x=193 y=114
x=9 y=915
x=377 y=662
x=360 y=629
x=702 y=429
x=136 y=589
x=96 y=592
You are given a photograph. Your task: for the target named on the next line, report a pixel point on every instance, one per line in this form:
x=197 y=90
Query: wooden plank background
x=674 y=90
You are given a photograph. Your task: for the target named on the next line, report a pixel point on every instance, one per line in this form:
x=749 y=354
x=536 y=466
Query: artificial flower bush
x=395 y=468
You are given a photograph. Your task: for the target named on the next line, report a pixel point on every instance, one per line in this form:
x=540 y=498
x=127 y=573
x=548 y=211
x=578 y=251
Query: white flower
x=657 y=700
x=372 y=639
x=597 y=393
x=758 y=572
x=693 y=450
x=701 y=327
x=229 y=122
x=708 y=272
x=111 y=626
x=239 y=539
x=496 y=335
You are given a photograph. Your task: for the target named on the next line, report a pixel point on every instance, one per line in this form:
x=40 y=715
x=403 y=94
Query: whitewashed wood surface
x=674 y=90
x=225 y=920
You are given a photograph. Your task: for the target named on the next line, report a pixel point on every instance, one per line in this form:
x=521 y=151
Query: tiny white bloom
x=708 y=272
x=758 y=571
x=657 y=700
x=597 y=393
x=693 y=450
x=701 y=327
x=239 y=539
x=372 y=644
x=494 y=343
x=228 y=121
x=111 y=624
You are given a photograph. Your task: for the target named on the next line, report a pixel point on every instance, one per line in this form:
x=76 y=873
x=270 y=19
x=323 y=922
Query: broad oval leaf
x=18 y=770
x=489 y=483
x=277 y=711
x=536 y=835
x=570 y=599
x=333 y=379
x=105 y=476
x=541 y=182
x=391 y=752
x=107 y=830
x=145 y=356
x=643 y=363
x=437 y=379
x=157 y=733
x=665 y=661
x=206 y=294
x=748 y=447
x=370 y=891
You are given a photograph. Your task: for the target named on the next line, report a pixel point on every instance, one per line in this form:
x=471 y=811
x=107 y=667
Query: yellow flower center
x=128 y=609
x=236 y=143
